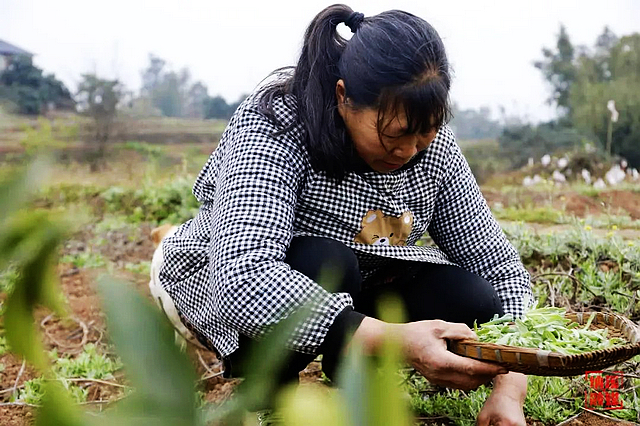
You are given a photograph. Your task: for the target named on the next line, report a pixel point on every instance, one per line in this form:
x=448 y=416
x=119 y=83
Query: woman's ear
x=341 y=92
x=341 y=97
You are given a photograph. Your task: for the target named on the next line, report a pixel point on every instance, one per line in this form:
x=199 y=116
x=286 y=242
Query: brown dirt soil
x=587 y=418
x=14 y=415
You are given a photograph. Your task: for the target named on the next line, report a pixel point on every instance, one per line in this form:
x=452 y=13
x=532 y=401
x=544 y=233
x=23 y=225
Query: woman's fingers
x=470 y=366
x=462 y=373
x=456 y=331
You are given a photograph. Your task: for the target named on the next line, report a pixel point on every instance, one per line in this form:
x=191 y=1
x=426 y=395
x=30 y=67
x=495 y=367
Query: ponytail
x=313 y=85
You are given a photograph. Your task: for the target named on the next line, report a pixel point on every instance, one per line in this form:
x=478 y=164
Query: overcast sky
x=231 y=45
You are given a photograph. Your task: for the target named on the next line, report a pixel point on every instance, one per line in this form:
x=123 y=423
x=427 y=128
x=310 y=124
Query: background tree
x=196 y=102
x=602 y=54
x=98 y=99
x=24 y=85
x=151 y=76
x=584 y=80
x=172 y=93
x=559 y=70
x=474 y=124
x=217 y=107
x=167 y=95
x=610 y=75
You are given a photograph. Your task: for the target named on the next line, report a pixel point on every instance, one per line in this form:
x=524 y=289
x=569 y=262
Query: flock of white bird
x=614 y=176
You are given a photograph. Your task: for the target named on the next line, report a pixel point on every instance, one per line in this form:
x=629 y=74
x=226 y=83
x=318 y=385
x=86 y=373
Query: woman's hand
x=504 y=406
x=425 y=347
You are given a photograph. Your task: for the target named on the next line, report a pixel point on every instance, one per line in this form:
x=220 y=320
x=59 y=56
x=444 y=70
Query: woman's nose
x=405 y=151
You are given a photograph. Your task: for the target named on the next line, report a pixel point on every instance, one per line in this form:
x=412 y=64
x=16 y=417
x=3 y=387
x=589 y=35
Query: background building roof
x=10 y=49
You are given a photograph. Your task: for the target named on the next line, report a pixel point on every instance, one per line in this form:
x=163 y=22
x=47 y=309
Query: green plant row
x=88 y=364
x=171 y=201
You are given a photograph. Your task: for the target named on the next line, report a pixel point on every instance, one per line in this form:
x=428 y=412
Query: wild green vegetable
x=545 y=328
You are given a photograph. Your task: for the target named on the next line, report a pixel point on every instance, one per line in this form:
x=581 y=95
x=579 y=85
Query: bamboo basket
x=540 y=362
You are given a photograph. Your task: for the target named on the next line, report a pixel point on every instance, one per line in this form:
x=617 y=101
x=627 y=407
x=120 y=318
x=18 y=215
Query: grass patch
x=89 y=364
x=85 y=259
x=150 y=201
x=8 y=278
x=3 y=343
x=529 y=214
x=140 y=268
x=549 y=400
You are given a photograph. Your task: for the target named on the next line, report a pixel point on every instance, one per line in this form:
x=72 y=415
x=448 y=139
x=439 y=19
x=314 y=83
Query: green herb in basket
x=545 y=328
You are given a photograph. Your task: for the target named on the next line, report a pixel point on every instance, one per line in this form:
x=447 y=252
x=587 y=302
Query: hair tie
x=354 y=20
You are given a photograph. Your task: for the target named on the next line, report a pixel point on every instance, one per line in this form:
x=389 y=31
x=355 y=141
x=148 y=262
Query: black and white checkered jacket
x=225 y=268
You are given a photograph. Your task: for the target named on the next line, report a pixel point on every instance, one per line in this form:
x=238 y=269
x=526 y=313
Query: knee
x=454 y=294
x=482 y=301
x=488 y=302
x=328 y=262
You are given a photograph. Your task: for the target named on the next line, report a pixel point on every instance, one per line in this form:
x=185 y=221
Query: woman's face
x=383 y=152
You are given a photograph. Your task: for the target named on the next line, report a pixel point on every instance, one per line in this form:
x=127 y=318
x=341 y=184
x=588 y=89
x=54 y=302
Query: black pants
x=428 y=291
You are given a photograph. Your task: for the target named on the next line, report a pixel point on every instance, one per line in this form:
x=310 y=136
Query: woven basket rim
x=521 y=349
x=619 y=317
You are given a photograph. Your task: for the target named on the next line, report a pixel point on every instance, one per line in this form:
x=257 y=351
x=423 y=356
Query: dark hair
x=394 y=61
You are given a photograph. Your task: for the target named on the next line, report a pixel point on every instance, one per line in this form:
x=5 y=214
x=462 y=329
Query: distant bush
x=485 y=158
x=144 y=148
x=520 y=143
x=172 y=202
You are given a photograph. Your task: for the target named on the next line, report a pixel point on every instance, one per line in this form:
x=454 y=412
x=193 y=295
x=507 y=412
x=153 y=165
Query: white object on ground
x=615 y=175
x=599 y=184
x=545 y=160
x=558 y=177
x=563 y=162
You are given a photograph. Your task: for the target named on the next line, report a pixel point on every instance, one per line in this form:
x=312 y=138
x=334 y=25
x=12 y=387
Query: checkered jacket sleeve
x=465 y=230
x=251 y=197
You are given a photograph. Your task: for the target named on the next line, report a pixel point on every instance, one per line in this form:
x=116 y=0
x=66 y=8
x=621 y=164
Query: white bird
x=558 y=177
x=615 y=175
x=563 y=162
x=611 y=106
x=599 y=184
